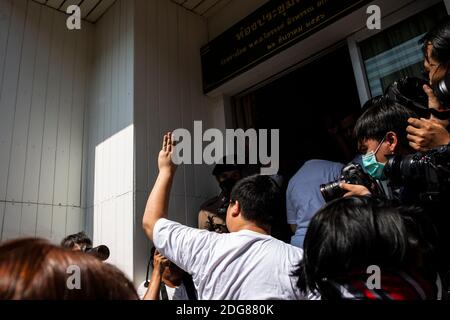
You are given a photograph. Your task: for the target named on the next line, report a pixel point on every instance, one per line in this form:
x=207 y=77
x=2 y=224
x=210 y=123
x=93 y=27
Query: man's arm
x=159 y=263
x=158 y=201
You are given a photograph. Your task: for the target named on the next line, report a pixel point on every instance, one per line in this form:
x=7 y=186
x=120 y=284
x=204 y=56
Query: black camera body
x=442 y=92
x=351 y=174
x=428 y=172
x=101 y=252
x=408 y=91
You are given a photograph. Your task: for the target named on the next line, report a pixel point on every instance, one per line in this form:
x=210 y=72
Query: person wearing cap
x=213 y=212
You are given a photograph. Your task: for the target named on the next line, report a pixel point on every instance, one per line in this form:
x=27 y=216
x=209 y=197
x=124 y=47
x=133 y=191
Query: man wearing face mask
x=213 y=212
x=381 y=132
x=426 y=134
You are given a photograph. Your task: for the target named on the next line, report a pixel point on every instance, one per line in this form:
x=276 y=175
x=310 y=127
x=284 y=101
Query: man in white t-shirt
x=245 y=264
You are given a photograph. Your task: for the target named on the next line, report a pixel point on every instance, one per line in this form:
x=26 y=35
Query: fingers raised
x=164 y=146
x=169 y=142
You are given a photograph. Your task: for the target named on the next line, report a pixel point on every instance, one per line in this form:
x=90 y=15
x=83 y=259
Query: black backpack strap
x=190 y=288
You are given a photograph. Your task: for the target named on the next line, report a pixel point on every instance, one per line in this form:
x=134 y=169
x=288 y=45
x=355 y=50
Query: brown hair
x=34 y=269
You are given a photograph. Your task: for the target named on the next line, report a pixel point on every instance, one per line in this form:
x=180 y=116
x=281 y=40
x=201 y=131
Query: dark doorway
x=311 y=106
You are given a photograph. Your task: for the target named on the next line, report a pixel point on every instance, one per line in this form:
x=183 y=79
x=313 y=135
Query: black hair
x=381 y=116
x=259 y=197
x=79 y=238
x=439 y=38
x=350 y=234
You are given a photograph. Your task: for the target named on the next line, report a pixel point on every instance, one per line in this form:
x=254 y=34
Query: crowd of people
x=383 y=240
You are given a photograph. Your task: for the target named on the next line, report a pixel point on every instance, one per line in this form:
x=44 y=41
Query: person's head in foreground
x=34 y=269
x=366 y=248
x=254 y=202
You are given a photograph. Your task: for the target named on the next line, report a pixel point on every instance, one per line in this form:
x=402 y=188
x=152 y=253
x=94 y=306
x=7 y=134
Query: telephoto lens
x=101 y=252
x=331 y=191
x=399 y=168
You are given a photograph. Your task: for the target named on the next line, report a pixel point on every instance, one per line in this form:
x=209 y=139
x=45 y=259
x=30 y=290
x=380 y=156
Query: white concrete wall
x=109 y=174
x=168 y=95
x=82 y=116
x=43 y=82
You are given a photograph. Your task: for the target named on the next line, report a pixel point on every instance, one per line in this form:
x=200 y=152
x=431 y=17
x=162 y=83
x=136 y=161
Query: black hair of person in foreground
x=350 y=234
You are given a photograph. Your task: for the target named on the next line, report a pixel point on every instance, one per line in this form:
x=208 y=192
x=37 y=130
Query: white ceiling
x=91 y=10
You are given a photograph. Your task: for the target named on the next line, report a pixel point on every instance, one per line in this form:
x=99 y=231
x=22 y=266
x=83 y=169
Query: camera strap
x=441 y=115
x=163 y=292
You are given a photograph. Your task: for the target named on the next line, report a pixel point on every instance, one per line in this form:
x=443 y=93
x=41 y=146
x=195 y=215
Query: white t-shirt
x=242 y=265
x=178 y=293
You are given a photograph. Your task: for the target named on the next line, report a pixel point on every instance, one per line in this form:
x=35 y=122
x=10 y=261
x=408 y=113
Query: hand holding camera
x=353 y=182
x=354 y=190
x=424 y=134
x=160 y=263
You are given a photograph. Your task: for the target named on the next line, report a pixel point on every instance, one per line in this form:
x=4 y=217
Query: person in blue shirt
x=303 y=197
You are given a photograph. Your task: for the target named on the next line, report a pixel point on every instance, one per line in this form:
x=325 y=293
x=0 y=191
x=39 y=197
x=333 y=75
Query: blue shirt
x=303 y=197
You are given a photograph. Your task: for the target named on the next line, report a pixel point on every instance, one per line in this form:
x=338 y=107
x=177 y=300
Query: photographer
x=380 y=132
x=81 y=242
x=425 y=134
x=382 y=137
x=168 y=282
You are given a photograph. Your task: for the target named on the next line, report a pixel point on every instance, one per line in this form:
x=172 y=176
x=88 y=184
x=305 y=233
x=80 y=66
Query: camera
x=351 y=174
x=441 y=91
x=408 y=91
x=101 y=252
x=428 y=173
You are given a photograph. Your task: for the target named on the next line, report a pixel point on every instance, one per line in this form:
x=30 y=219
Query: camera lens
x=331 y=191
x=442 y=92
x=398 y=169
x=101 y=252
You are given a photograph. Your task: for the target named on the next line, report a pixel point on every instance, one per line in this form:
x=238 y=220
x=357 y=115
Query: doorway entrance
x=314 y=108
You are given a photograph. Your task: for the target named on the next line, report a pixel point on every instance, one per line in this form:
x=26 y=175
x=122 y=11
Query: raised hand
x=165 y=162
